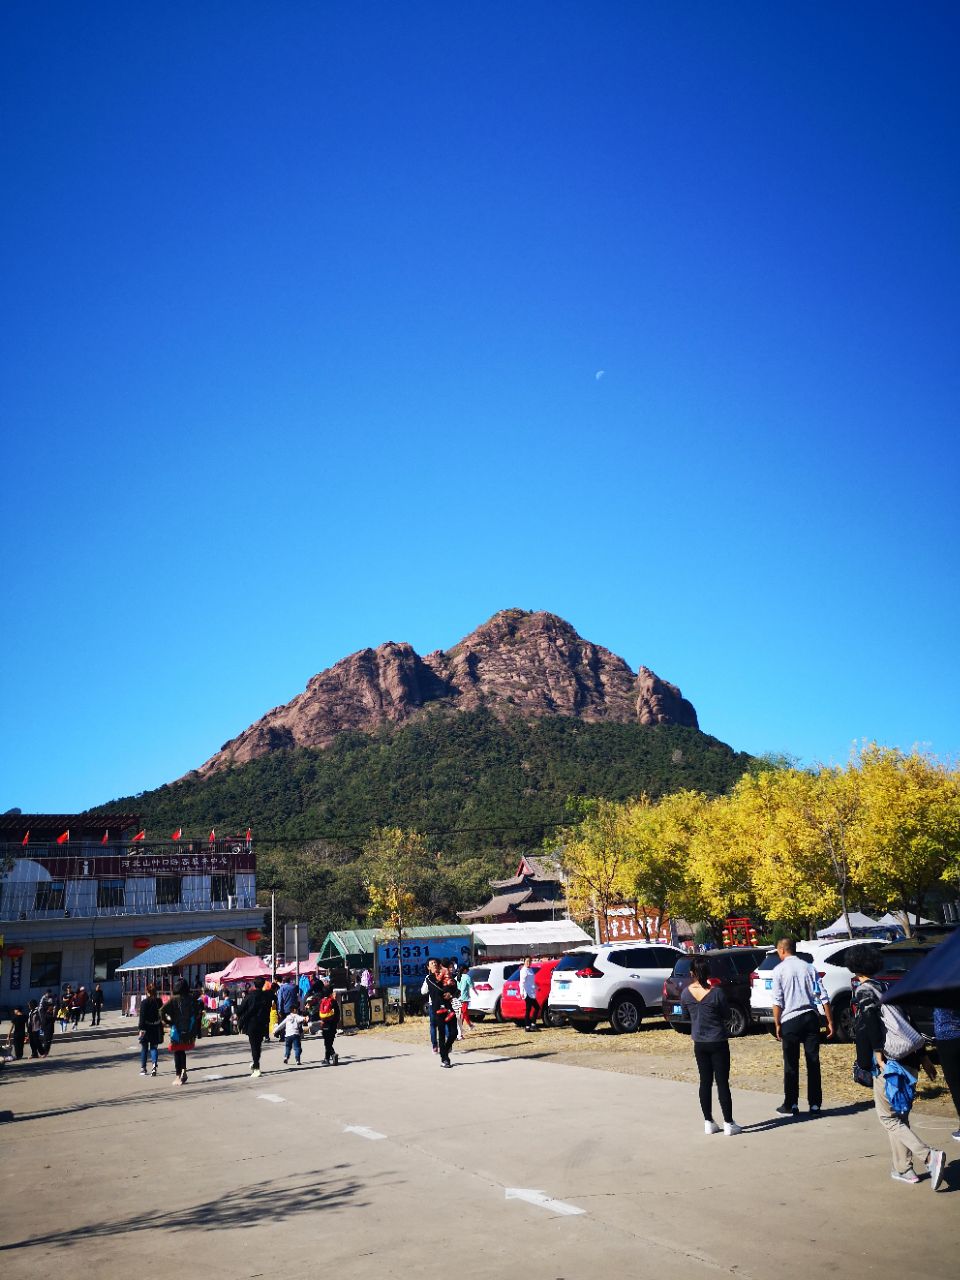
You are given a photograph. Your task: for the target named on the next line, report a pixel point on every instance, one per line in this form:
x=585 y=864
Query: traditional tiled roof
x=497 y=906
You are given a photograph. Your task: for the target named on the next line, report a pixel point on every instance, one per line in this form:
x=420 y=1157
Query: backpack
x=902 y=1038
x=328 y=1008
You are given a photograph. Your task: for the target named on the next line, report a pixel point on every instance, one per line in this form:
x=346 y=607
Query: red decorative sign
x=141 y=943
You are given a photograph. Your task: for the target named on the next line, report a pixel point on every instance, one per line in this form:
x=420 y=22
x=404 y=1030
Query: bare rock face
x=531 y=664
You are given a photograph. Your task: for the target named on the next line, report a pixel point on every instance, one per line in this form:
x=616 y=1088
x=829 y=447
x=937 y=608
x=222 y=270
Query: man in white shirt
x=796 y=1019
x=527 y=981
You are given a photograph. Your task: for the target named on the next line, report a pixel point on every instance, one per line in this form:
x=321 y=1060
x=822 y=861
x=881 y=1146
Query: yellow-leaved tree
x=907 y=832
x=395 y=863
x=658 y=839
x=595 y=858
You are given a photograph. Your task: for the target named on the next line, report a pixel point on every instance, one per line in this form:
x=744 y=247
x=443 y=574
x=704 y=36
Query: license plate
x=768 y=984
x=677 y=1010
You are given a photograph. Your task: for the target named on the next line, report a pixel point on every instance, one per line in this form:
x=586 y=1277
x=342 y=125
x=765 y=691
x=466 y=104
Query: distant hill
x=531 y=664
x=447 y=771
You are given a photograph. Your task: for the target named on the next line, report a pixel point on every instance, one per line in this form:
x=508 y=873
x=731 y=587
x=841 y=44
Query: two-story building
x=79 y=896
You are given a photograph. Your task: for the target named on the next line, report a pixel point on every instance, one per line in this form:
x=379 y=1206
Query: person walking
x=34 y=1030
x=96 y=1005
x=288 y=998
x=877 y=1033
x=946 y=1032
x=225 y=1013
x=291 y=1028
x=328 y=1012
x=442 y=989
x=17 y=1035
x=46 y=1010
x=796 y=1019
x=63 y=1013
x=527 y=981
x=465 y=988
x=83 y=998
x=150 y=1031
x=253 y=1019
x=707 y=1009
x=180 y=1015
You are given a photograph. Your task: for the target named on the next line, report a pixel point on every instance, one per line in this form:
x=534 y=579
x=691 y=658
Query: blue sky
x=305 y=308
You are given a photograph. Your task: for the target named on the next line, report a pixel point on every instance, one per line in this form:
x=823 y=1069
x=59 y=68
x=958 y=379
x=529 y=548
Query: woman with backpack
x=180 y=1015
x=889 y=1047
x=328 y=1014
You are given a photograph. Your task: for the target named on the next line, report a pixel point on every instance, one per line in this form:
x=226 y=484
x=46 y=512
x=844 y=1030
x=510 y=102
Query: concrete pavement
x=288 y=1174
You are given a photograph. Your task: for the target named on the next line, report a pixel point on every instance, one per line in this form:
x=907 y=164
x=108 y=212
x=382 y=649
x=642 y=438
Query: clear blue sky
x=305 y=307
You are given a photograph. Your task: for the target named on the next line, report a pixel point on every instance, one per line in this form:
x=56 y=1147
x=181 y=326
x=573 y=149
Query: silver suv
x=619 y=982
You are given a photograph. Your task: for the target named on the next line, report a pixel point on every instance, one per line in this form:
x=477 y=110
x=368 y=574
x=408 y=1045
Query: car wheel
x=843 y=1022
x=584 y=1026
x=498 y=1012
x=551 y=1019
x=625 y=1015
x=737 y=1022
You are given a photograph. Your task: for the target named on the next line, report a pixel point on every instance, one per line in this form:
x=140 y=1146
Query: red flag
x=26 y=839
x=62 y=839
x=213 y=835
x=104 y=840
x=177 y=834
x=141 y=835
x=249 y=835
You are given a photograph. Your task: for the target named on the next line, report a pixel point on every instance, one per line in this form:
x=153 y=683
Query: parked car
x=836 y=981
x=488 y=980
x=513 y=1007
x=619 y=982
x=899 y=958
x=730 y=968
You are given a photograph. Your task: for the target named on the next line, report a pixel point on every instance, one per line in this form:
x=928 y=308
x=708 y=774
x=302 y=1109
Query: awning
x=536 y=937
x=244 y=968
x=898 y=919
x=170 y=955
x=839 y=927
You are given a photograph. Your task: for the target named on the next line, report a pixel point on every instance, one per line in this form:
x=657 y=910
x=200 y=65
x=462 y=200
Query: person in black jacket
x=442 y=989
x=180 y=1015
x=151 y=1029
x=328 y=1014
x=253 y=1019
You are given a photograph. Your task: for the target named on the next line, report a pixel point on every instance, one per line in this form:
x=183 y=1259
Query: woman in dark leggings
x=707 y=1007
x=180 y=1015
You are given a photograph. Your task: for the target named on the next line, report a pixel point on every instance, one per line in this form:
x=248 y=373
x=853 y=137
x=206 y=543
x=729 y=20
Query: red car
x=512 y=1005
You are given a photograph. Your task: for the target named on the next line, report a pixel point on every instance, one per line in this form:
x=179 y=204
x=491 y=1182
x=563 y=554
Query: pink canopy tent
x=242 y=969
x=306 y=966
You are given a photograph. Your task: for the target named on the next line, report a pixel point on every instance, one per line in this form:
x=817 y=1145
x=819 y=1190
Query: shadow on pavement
x=245 y=1207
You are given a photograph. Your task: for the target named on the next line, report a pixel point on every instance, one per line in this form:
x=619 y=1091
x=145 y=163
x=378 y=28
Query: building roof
x=535 y=934
x=498 y=905
x=543 y=904
x=535 y=869
x=206 y=950
x=14 y=826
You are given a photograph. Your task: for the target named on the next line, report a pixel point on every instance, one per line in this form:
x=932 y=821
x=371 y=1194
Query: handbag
x=862 y=1076
x=901 y=1038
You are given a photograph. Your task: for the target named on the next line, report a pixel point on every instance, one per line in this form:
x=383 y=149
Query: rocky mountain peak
x=517 y=663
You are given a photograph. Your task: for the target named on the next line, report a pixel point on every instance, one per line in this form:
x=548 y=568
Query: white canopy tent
x=899 y=919
x=536 y=938
x=839 y=927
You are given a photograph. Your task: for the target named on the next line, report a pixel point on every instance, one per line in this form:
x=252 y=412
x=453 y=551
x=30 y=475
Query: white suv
x=829 y=960
x=619 y=981
x=488 y=980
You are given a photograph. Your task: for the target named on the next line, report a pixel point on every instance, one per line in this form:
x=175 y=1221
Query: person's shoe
x=710 y=1127
x=286 y=1062
x=909 y=1176
x=255 y=1071
x=143 y=1071
x=935 y=1163
x=336 y=1058
x=730 y=1129
x=446 y=1063
x=814 y=1109
x=298 y=1062
x=956 y=1135
x=435 y=1049
x=183 y=1078
x=154 y=1071
x=788 y=1111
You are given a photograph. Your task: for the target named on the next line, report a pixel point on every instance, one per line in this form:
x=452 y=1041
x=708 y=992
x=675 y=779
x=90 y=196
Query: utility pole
x=273 y=938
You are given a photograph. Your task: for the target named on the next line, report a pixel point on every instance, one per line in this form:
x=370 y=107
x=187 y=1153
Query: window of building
x=45 y=968
x=49 y=896
x=222 y=887
x=111 y=893
x=168 y=891
x=105 y=963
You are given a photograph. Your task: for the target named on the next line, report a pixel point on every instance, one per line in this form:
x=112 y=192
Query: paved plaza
x=389 y=1166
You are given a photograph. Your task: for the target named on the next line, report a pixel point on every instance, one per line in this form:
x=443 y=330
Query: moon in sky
x=599 y=374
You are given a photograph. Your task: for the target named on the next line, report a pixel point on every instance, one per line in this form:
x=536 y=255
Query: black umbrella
x=935 y=980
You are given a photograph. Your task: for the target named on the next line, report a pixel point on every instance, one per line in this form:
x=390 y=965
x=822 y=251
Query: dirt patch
x=656 y=1050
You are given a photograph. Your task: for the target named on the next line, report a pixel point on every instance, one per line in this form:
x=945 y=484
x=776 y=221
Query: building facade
x=79 y=897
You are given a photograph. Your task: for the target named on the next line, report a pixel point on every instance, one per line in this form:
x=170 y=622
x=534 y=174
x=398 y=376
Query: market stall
x=167 y=963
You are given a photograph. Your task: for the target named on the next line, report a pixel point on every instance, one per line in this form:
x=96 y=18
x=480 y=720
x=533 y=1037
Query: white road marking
x=271 y=1097
x=363 y=1132
x=542 y=1200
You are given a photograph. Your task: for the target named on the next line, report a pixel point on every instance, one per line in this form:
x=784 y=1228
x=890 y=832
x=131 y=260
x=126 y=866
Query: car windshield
x=479 y=975
x=579 y=960
x=772 y=960
x=900 y=962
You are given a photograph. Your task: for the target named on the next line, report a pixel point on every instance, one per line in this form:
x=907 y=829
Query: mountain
x=530 y=665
